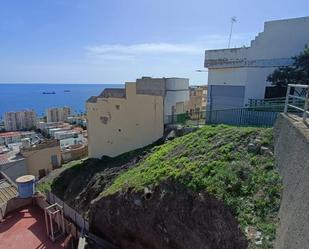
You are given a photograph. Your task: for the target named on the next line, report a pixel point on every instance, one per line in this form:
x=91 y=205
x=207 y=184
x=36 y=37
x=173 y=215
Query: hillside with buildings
x=232 y=168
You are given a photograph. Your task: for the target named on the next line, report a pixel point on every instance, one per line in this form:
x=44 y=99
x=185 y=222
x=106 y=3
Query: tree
x=297 y=73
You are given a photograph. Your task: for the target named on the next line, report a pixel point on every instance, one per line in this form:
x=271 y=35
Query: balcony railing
x=299 y=102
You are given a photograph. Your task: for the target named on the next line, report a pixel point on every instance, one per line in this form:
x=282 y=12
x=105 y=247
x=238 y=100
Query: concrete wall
x=292 y=154
x=74 y=154
x=177 y=91
x=118 y=125
x=41 y=159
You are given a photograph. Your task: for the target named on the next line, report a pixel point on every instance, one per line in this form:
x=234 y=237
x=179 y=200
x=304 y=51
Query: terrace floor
x=25 y=229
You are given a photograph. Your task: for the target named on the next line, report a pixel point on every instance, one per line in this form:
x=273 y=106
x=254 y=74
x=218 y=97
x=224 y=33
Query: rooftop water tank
x=25 y=186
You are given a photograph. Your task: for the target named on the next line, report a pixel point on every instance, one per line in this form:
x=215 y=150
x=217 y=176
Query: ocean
x=15 y=97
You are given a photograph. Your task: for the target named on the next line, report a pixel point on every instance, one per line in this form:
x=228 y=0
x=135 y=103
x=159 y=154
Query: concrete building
x=53 y=131
x=42 y=158
x=69 y=141
x=23 y=120
x=175 y=93
x=12 y=163
x=16 y=137
x=74 y=152
x=59 y=135
x=77 y=120
x=239 y=74
x=120 y=120
x=58 y=114
x=198 y=99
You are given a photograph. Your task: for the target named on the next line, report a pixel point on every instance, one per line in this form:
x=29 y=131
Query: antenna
x=233 y=20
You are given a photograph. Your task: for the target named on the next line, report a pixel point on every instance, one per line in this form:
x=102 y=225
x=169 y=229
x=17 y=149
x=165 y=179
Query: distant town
x=37 y=145
x=162 y=163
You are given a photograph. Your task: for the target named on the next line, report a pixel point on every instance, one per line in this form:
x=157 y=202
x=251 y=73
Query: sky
x=114 y=41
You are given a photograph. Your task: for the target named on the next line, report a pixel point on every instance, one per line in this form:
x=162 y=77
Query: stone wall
x=292 y=154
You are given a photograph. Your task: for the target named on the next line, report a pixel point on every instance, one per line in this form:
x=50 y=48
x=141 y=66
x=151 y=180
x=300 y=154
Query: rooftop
x=25 y=229
x=16 y=133
x=8 y=190
x=10 y=156
x=9 y=134
x=113 y=93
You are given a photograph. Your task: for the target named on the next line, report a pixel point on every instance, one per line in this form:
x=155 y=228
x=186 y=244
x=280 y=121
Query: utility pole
x=233 y=20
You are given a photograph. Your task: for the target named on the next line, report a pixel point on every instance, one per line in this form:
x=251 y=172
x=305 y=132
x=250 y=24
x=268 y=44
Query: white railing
x=68 y=212
x=289 y=96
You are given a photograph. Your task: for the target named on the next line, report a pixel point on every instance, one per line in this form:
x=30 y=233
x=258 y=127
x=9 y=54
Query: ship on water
x=49 y=92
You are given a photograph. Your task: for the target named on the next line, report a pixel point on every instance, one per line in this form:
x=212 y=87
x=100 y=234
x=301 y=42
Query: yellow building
x=124 y=119
x=198 y=99
x=42 y=158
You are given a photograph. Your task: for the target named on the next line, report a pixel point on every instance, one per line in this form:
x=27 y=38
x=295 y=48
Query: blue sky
x=113 y=41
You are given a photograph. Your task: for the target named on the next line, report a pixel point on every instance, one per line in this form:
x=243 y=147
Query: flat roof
x=9 y=134
x=25 y=228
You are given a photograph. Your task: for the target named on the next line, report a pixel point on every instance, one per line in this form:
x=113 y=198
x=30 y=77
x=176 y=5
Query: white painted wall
x=227 y=76
x=280 y=40
x=177 y=90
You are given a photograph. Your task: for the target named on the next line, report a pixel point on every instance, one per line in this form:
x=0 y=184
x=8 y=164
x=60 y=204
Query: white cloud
x=120 y=51
x=132 y=51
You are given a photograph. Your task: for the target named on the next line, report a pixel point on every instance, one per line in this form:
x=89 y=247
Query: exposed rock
x=172 y=218
x=253 y=148
x=171 y=135
x=177 y=130
x=266 y=151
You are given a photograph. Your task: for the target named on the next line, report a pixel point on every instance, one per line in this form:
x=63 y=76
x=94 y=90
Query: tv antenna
x=233 y=20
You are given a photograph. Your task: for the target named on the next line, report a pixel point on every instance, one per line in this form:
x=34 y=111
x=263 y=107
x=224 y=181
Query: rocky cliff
x=169 y=216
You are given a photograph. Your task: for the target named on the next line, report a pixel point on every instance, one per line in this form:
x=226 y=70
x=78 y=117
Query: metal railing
x=302 y=96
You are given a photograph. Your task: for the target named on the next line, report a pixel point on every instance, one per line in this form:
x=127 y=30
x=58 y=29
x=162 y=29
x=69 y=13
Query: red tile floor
x=25 y=229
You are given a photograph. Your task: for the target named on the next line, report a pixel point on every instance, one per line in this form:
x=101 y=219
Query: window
x=117 y=107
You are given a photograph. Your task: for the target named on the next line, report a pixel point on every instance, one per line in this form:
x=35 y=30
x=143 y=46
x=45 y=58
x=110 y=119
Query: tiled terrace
x=25 y=229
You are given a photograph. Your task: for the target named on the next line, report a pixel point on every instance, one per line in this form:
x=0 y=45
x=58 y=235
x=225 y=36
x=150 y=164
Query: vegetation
x=216 y=159
x=71 y=179
x=298 y=73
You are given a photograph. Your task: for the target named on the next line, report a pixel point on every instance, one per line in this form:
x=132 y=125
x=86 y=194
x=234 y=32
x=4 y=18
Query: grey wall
x=292 y=154
x=225 y=97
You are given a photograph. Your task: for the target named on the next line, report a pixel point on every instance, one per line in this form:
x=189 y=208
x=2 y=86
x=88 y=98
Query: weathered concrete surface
x=292 y=154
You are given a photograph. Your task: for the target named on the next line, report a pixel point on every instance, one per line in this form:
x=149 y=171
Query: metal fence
x=250 y=116
x=242 y=117
x=69 y=213
x=297 y=97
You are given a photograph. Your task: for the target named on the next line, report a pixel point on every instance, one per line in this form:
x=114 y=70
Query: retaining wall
x=292 y=155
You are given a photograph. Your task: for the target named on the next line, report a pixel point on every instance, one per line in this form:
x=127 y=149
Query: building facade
x=120 y=120
x=15 y=137
x=239 y=74
x=42 y=158
x=58 y=114
x=198 y=99
x=23 y=120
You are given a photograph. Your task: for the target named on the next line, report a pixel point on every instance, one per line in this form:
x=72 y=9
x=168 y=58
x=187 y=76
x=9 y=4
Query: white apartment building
x=16 y=137
x=69 y=141
x=22 y=120
x=52 y=131
x=239 y=74
x=58 y=114
x=65 y=134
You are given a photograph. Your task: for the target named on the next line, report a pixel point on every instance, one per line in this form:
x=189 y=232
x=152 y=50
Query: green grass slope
x=216 y=159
